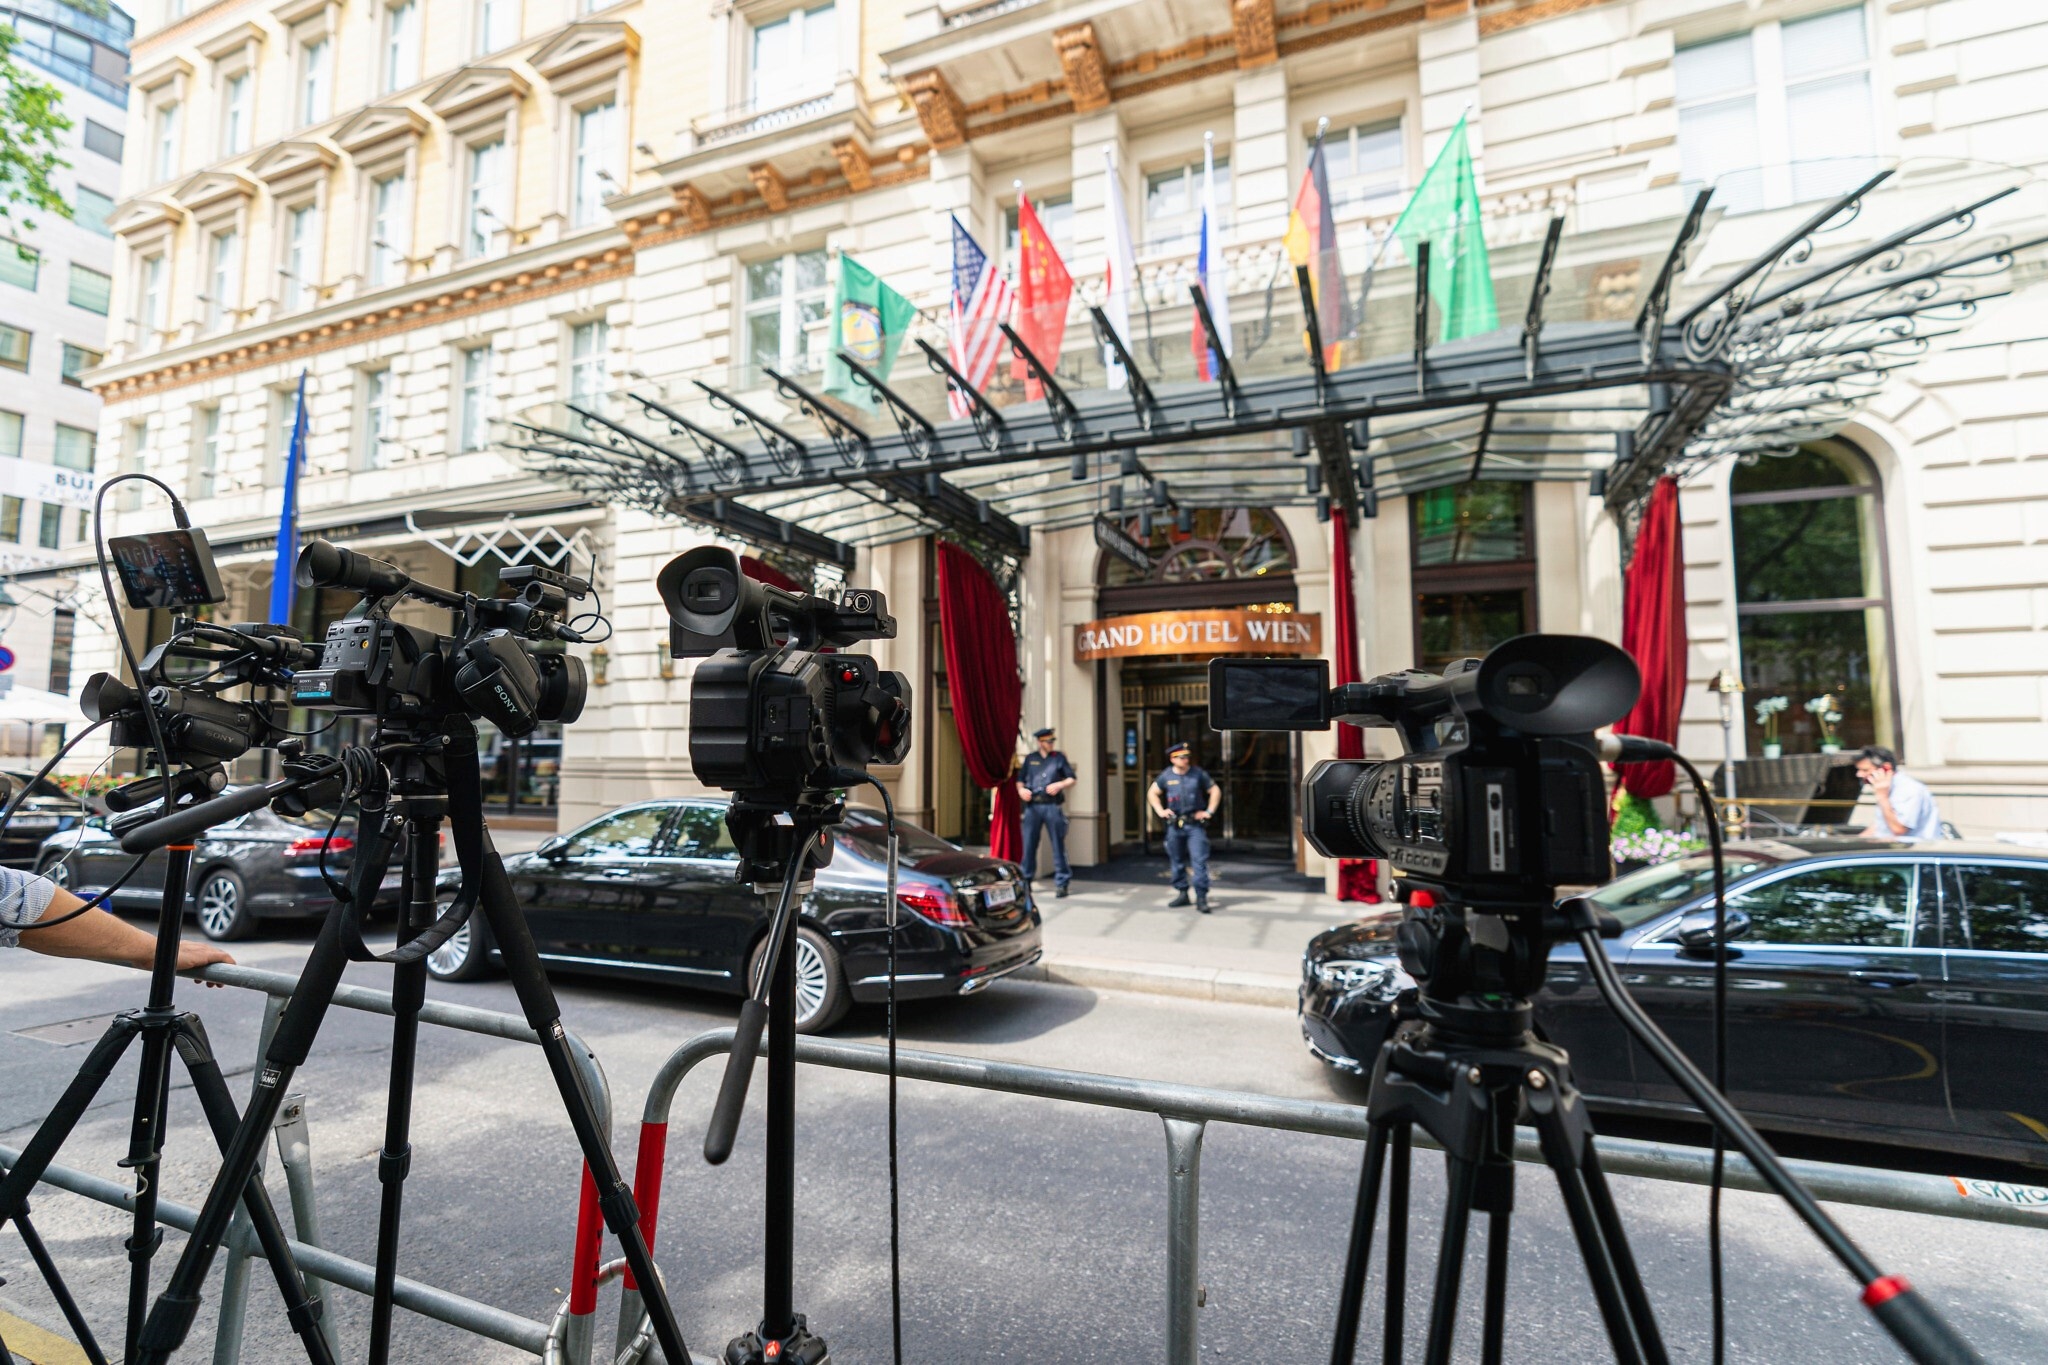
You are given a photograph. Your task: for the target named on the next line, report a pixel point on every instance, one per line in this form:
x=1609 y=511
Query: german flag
x=1312 y=241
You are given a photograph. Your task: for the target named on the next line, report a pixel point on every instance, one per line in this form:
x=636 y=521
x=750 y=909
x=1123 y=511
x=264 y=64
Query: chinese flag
x=1044 y=289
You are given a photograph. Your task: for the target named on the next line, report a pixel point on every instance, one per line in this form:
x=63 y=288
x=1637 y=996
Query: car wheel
x=821 y=995
x=464 y=957
x=56 y=869
x=223 y=907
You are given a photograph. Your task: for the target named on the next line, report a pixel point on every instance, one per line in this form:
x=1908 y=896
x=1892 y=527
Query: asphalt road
x=1032 y=1230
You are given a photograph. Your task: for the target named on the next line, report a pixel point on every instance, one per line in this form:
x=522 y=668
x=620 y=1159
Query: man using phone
x=1185 y=797
x=1905 y=807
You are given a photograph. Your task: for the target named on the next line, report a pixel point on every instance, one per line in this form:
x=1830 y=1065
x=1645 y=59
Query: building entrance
x=1169 y=703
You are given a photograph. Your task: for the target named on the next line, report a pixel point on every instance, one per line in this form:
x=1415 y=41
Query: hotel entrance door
x=1256 y=769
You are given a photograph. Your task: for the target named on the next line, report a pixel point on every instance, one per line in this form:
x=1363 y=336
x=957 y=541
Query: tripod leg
x=1394 y=1342
x=500 y=908
x=59 y=1291
x=778 y=1258
x=1450 y=1260
x=211 y=1088
x=78 y=1096
x=1496 y=1288
x=408 y=993
x=1632 y=1289
x=145 y=1157
x=1359 y=1255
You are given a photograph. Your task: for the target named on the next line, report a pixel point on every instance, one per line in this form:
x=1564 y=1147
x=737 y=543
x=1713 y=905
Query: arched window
x=1811 y=604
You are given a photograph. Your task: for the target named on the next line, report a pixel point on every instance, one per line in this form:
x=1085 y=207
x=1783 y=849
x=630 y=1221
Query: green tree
x=31 y=117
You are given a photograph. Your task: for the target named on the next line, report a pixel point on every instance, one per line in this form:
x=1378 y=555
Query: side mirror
x=96 y=822
x=1696 y=931
x=554 y=849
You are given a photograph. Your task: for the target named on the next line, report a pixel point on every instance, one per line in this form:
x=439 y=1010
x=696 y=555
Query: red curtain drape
x=1653 y=633
x=761 y=571
x=1357 y=878
x=988 y=696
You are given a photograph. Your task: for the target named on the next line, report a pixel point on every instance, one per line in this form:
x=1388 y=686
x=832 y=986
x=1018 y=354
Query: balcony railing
x=975 y=14
x=78 y=73
x=749 y=119
x=116 y=29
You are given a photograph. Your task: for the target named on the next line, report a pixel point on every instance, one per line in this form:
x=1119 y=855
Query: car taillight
x=935 y=903
x=340 y=843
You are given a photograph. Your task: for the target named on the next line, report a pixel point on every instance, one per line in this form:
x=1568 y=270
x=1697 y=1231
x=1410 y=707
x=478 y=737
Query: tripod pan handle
x=181 y=825
x=732 y=1091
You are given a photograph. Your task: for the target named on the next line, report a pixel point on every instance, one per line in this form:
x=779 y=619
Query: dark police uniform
x=1187 y=839
x=1046 y=813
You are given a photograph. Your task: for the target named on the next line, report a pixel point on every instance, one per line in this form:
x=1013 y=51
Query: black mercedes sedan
x=255 y=867
x=648 y=890
x=1893 y=993
x=46 y=809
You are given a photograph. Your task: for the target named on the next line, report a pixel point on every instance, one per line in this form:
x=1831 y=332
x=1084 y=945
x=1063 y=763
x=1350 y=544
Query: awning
x=1728 y=348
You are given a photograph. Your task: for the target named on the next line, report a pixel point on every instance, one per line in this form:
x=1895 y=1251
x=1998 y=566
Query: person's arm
x=1215 y=799
x=108 y=938
x=1881 y=790
x=1152 y=793
x=1057 y=788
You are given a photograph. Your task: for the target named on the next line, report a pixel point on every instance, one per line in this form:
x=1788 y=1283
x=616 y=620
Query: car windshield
x=1643 y=895
x=869 y=829
x=10 y=783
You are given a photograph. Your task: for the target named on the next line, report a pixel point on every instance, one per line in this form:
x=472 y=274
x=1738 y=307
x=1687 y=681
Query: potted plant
x=1767 y=712
x=1826 y=708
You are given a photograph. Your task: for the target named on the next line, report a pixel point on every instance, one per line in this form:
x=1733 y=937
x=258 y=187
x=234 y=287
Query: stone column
x=1262 y=168
x=1092 y=133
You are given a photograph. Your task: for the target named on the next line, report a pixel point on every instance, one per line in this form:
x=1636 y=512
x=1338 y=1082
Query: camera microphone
x=323 y=564
x=1634 y=749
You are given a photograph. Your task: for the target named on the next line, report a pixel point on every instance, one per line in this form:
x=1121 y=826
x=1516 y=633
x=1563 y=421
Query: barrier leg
x=295 y=1155
x=1183 y=1238
x=581 y=1329
x=647 y=1171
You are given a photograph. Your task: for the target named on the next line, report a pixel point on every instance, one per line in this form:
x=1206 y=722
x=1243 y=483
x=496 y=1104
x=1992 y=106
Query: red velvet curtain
x=1653 y=632
x=988 y=696
x=1357 y=878
x=761 y=571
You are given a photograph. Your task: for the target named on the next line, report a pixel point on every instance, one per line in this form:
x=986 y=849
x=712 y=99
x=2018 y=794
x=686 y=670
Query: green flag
x=1445 y=213
x=868 y=322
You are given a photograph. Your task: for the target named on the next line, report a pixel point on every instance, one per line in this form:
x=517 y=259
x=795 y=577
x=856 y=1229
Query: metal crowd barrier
x=322 y=1267
x=1186 y=1111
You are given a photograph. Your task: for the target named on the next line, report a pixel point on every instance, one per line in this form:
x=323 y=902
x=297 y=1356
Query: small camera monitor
x=1269 y=694
x=167 y=569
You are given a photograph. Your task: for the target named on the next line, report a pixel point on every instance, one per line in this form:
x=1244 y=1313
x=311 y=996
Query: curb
x=1161 y=978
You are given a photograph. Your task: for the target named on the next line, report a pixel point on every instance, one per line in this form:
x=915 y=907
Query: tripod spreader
x=310 y=780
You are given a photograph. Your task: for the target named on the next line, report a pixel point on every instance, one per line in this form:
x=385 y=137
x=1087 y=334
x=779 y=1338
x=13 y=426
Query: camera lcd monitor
x=166 y=569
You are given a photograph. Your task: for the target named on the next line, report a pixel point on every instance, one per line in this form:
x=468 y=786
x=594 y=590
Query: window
x=301 y=257
x=784 y=297
x=1867 y=907
x=401 y=45
x=587 y=344
x=166 y=140
x=51 y=532
x=10 y=519
x=626 y=834
x=223 y=282
x=1057 y=216
x=77 y=360
x=19 y=265
x=205 y=452
x=390 y=230
x=73 y=448
x=497 y=25
x=92 y=290
x=1173 y=205
x=793 y=58
x=316 y=75
x=1473 y=559
x=596 y=170
x=10 y=435
x=63 y=635
x=487 y=196
x=1365 y=163
x=1811 y=613
x=234 y=115
x=475 y=406
x=91 y=211
x=101 y=140
x=701 y=832
x=13 y=347
x=152 y=318
x=1997 y=909
x=377 y=417
x=1779 y=115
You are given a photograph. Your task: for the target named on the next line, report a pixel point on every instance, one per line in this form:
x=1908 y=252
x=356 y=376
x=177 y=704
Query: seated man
x=1905 y=807
x=33 y=911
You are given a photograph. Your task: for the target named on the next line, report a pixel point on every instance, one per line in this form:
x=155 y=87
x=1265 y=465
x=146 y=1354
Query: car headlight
x=1382 y=979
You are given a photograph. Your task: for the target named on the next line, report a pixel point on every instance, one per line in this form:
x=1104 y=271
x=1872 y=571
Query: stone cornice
x=377 y=125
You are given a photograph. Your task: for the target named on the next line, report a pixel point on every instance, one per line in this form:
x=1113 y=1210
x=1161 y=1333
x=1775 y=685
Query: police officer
x=1042 y=784
x=1185 y=797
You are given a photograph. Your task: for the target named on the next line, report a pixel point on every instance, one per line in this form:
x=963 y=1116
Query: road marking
x=32 y=1344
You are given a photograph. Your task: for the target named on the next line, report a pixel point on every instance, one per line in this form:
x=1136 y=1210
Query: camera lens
x=564 y=687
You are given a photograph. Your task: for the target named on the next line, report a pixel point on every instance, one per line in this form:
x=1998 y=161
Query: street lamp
x=1728 y=688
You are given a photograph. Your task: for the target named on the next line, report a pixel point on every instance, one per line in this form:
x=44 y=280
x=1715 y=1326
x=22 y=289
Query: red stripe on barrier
x=647 y=1183
x=1883 y=1289
x=589 y=1246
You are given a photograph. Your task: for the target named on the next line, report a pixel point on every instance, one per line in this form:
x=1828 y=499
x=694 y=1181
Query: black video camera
x=371 y=665
x=771 y=718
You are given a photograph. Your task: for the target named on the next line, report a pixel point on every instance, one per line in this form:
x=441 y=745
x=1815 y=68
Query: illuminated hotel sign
x=1199 y=632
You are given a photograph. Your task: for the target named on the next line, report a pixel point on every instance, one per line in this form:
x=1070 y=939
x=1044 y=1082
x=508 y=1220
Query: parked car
x=648 y=890
x=46 y=809
x=255 y=867
x=1894 y=993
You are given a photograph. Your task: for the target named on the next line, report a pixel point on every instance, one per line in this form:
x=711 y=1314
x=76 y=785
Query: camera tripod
x=451 y=745
x=794 y=839
x=162 y=1030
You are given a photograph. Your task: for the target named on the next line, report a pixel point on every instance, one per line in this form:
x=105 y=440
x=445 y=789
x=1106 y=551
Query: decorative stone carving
x=769 y=184
x=696 y=208
x=938 y=109
x=854 y=163
x=1256 y=34
x=1081 y=59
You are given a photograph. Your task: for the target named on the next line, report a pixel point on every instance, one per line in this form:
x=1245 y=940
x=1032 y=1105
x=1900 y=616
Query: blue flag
x=281 y=580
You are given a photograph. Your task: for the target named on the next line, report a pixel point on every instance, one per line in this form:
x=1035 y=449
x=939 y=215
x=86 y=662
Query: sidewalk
x=1115 y=932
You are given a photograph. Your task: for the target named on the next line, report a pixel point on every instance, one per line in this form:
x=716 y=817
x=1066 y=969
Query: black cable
x=1720 y=1033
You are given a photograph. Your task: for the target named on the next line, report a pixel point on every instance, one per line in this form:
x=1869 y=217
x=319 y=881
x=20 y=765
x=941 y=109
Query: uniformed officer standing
x=1185 y=797
x=1042 y=784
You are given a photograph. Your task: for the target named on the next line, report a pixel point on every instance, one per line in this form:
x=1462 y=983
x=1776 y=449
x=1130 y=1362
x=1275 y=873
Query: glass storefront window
x=1472 y=567
x=1221 y=542
x=1472 y=523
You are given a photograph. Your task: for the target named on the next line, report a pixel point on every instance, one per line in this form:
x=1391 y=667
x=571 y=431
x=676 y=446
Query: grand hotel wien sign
x=1199 y=632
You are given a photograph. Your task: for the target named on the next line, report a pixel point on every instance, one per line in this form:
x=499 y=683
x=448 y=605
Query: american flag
x=981 y=299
